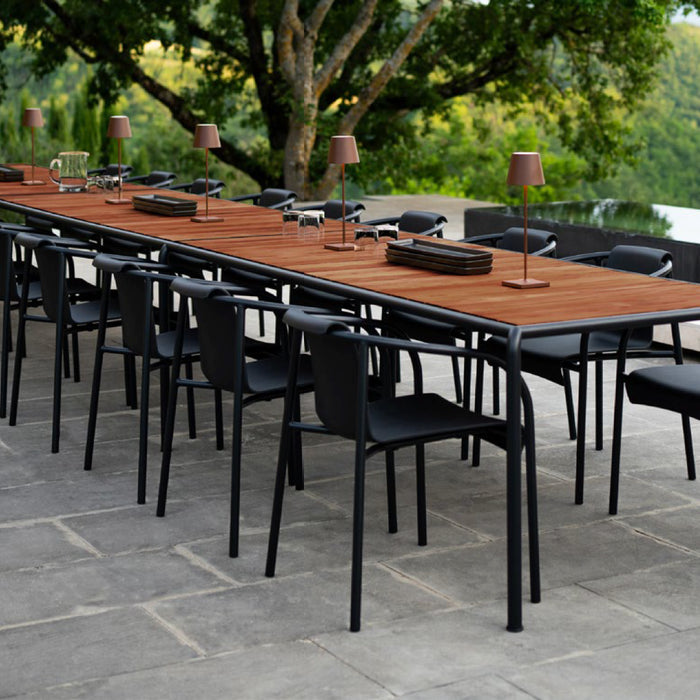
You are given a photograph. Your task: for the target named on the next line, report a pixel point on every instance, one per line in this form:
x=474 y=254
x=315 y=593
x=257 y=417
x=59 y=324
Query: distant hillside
x=668 y=170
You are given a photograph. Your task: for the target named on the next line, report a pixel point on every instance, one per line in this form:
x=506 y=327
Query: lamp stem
x=525 y=248
x=342 y=211
x=33 y=158
x=206 y=183
x=119 y=166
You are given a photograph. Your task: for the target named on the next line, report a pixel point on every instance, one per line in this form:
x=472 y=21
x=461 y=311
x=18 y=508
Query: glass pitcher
x=71 y=167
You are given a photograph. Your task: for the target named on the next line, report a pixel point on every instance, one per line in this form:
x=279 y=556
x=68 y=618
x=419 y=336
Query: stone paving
x=99 y=598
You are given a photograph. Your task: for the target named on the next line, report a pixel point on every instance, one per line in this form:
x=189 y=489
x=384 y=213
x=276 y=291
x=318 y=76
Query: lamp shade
x=343 y=149
x=119 y=128
x=525 y=169
x=206 y=136
x=32 y=117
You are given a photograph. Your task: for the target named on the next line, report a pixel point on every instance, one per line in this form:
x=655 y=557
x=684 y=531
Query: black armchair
x=199 y=186
x=555 y=357
x=427 y=223
x=333 y=209
x=156 y=178
x=669 y=387
x=271 y=198
x=345 y=407
x=539 y=241
x=224 y=347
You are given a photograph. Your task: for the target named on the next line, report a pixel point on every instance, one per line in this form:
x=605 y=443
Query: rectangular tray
x=164 y=205
x=8 y=174
x=440 y=251
x=476 y=268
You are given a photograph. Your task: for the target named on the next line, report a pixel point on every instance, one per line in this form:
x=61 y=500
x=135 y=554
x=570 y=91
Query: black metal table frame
x=514 y=335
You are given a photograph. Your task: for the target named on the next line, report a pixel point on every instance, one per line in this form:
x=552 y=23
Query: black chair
x=670 y=387
x=112 y=170
x=199 y=186
x=156 y=178
x=427 y=223
x=272 y=198
x=344 y=406
x=333 y=209
x=69 y=303
x=136 y=281
x=555 y=357
x=224 y=348
x=539 y=241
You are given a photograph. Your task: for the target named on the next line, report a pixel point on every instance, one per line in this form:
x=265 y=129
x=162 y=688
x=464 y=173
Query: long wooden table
x=580 y=298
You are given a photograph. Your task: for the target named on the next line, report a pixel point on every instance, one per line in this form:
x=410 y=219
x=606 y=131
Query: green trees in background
x=281 y=76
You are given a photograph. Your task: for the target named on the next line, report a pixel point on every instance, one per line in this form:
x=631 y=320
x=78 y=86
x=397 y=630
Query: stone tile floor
x=101 y=599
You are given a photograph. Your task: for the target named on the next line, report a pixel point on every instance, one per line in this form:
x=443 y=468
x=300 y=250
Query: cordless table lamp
x=525 y=169
x=32 y=118
x=206 y=136
x=343 y=149
x=119 y=128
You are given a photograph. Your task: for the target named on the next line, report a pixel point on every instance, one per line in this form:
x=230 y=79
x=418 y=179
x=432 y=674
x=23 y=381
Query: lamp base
x=117 y=200
x=33 y=182
x=524 y=283
x=340 y=246
x=206 y=219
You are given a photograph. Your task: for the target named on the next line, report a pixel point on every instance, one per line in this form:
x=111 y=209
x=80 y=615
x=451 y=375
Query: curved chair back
x=427 y=223
x=539 y=241
x=199 y=185
x=273 y=198
x=642 y=259
x=333 y=209
x=160 y=178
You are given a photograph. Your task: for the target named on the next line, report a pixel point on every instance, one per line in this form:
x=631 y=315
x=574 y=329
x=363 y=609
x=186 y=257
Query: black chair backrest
x=8 y=282
x=199 y=186
x=159 y=177
x=335 y=392
x=333 y=209
x=135 y=301
x=113 y=169
x=51 y=262
x=420 y=221
x=637 y=258
x=274 y=198
x=536 y=239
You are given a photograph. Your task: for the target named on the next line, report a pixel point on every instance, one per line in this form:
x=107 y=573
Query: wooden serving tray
x=440 y=257
x=162 y=204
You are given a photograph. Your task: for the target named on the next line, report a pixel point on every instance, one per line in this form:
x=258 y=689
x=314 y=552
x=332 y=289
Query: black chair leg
x=76 y=358
x=457 y=380
x=357 y=538
x=391 y=491
x=234 y=524
x=688 y=441
x=532 y=515
x=569 y=398
x=421 y=497
x=599 y=405
x=94 y=401
x=219 y=418
x=143 y=430
x=56 y=417
x=191 y=420
x=581 y=432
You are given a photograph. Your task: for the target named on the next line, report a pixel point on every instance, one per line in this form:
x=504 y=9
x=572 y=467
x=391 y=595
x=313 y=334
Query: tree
x=301 y=70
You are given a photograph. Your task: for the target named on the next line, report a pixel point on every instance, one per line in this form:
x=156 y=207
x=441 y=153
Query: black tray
x=8 y=174
x=164 y=205
x=476 y=268
x=440 y=251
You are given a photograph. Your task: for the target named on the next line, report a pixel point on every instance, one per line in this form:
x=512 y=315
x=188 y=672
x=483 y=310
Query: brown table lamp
x=343 y=149
x=119 y=128
x=206 y=136
x=32 y=118
x=525 y=169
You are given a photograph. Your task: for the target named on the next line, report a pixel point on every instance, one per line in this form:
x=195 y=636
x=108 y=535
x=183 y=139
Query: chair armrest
x=385 y=220
x=481 y=240
x=589 y=258
x=244 y=197
x=546 y=251
x=665 y=271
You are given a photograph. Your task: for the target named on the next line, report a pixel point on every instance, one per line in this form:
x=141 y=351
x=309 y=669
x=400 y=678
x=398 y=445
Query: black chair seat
x=165 y=343
x=269 y=375
x=89 y=311
x=421 y=416
x=672 y=387
x=546 y=357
